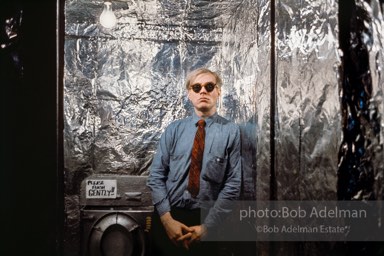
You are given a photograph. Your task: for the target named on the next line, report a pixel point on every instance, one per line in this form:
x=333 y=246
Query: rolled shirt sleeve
x=158 y=176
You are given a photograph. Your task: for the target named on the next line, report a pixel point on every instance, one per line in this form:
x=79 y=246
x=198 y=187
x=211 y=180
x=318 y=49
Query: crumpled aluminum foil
x=308 y=127
x=123 y=86
x=11 y=18
x=361 y=165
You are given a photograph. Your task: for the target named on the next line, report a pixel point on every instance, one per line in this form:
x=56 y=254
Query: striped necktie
x=196 y=159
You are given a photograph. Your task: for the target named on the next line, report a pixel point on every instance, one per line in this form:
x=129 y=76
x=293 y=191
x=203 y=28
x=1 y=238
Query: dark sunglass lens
x=209 y=87
x=196 y=88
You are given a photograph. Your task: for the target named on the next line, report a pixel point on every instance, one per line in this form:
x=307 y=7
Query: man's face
x=204 y=101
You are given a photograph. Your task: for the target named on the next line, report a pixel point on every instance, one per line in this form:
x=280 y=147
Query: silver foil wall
x=308 y=110
x=123 y=86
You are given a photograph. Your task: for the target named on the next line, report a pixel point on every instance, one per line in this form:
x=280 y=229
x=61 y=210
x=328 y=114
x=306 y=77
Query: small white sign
x=101 y=188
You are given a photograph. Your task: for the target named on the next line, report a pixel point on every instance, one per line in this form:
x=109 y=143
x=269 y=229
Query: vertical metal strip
x=273 y=184
x=272 y=119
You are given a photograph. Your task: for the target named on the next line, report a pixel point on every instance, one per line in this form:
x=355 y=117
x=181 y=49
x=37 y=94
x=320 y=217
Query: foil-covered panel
x=123 y=86
x=11 y=20
x=244 y=59
x=360 y=172
x=376 y=60
x=361 y=152
x=308 y=110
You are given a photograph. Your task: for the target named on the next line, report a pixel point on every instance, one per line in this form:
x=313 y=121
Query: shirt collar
x=210 y=120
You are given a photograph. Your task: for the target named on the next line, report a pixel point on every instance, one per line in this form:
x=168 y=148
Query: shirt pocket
x=175 y=166
x=215 y=169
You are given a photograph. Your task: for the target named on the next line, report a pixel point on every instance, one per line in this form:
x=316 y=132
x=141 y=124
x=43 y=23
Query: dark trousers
x=162 y=246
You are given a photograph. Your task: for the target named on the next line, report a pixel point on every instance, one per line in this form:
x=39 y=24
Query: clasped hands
x=180 y=234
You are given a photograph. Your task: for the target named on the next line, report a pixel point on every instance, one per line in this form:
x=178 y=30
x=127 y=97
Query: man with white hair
x=197 y=161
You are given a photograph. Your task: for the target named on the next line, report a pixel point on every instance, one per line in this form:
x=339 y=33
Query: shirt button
x=187 y=195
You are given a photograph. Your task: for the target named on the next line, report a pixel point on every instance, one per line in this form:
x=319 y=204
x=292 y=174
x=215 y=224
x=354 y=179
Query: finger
x=174 y=242
x=174 y=239
x=186 y=228
x=186 y=244
x=192 y=239
x=184 y=237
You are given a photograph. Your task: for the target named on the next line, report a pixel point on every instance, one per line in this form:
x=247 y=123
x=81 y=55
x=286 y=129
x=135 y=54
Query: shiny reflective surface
x=308 y=129
x=123 y=86
x=360 y=175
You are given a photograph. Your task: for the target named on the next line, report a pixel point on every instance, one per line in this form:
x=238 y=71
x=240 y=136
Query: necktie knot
x=201 y=123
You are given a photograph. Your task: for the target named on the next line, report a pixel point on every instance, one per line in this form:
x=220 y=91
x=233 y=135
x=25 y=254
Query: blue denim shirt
x=220 y=177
